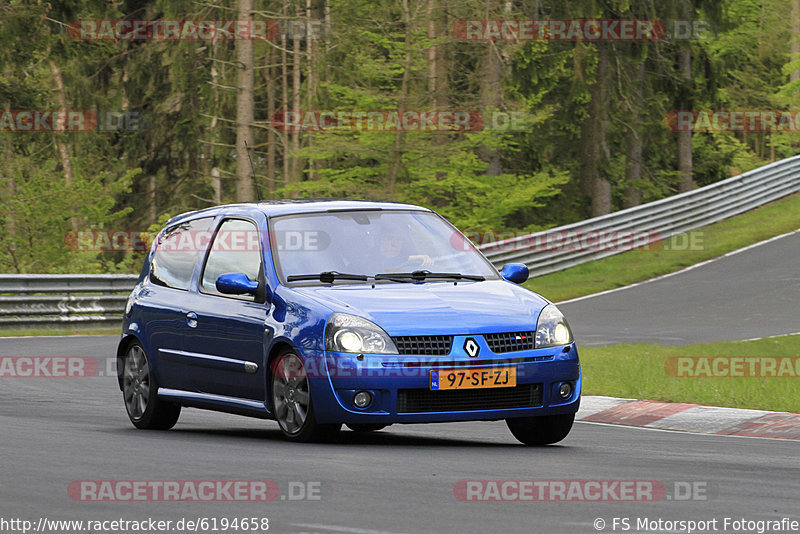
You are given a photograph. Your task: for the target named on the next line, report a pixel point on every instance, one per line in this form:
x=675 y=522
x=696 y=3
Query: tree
x=244 y=108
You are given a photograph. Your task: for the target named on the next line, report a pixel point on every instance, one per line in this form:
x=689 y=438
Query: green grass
x=42 y=332
x=712 y=241
x=638 y=371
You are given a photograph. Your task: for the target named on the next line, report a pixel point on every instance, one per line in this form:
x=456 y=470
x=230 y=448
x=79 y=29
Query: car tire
x=365 y=427
x=292 y=404
x=140 y=393
x=542 y=430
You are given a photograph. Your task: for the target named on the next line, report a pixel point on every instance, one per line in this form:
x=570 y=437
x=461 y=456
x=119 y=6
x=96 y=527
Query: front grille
x=424 y=345
x=426 y=400
x=510 y=341
x=468 y=363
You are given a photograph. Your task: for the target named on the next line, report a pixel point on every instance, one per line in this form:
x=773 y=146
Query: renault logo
x=471 y=347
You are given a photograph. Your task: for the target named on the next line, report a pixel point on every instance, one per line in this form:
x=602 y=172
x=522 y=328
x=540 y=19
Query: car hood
x=436 y=307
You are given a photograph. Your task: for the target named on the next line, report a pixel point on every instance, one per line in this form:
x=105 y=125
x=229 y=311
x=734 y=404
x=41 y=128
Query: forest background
x=570 y=128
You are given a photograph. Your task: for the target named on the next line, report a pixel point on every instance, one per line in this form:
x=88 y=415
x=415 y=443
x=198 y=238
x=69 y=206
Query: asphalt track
x=749 y=294
x=56 y=431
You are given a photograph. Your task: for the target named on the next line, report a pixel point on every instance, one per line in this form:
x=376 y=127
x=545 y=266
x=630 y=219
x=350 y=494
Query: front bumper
x=400 y=386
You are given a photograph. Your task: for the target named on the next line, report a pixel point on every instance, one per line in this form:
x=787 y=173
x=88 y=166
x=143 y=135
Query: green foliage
x=43 y=240
x=374 y=56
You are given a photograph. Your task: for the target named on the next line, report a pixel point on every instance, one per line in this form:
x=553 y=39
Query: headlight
x=129 y=304
x=552 y=329
x=349 y=333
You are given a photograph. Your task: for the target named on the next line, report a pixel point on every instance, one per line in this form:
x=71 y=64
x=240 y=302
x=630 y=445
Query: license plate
x=499 y=377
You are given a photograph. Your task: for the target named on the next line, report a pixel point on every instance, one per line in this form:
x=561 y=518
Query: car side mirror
x=515 y=272
x=236 y=284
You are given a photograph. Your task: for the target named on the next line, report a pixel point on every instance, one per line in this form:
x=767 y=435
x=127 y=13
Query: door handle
x=191 y=319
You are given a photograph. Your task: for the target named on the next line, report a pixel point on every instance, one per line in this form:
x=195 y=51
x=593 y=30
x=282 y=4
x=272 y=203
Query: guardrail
x=543 y=252
x=63 y=300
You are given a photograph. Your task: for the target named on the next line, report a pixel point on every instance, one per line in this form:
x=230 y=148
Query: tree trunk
x=437 y=67
x=588 y=156
x=11 y=185
x=287 y=170
x=61 y=145
x=593 y=132
x=397 y=153
x=491 y=92
x=244 y=108
x=152 y=208
x=601 y=197
x=432 y=49
x=795 y=39
x=270 y=129
x=633 y=153
x=437 y=58
x=297 y=51
x=591 y=128
x=310 y=81
x=490 y=101
x=685 y=138
x=211 y=163
x=216 y=184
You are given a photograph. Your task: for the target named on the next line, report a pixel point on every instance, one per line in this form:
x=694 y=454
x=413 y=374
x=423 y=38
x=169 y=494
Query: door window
x=177 y=251
x=236 y=249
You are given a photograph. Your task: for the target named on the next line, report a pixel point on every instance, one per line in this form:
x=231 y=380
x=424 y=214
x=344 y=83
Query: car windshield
x=371 y=242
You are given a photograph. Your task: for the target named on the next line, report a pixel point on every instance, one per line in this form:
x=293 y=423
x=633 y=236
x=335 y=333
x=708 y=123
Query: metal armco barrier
x=661 y=219
x=66 y=301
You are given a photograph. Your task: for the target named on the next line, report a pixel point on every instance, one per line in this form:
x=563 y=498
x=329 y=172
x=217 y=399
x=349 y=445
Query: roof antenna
x=252 y=167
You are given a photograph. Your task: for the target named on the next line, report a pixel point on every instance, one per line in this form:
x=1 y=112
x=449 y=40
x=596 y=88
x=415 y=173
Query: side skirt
x=217 y=403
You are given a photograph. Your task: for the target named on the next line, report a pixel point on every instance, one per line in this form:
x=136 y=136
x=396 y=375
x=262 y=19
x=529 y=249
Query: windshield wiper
x=419 y=276
x=326 y=277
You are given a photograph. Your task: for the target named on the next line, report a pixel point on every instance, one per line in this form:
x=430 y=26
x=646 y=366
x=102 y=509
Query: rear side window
x=236 y=249
x=177 y=252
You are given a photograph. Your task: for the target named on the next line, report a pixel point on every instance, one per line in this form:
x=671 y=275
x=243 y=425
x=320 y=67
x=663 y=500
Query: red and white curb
x=690 y=417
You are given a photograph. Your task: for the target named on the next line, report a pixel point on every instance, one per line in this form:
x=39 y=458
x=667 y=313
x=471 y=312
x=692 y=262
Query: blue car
x=324 y=313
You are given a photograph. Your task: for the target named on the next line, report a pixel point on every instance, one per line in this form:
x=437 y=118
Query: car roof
x=273 y=208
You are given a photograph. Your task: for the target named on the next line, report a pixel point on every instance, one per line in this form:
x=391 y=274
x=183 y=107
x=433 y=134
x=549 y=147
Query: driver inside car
x=394 y=249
